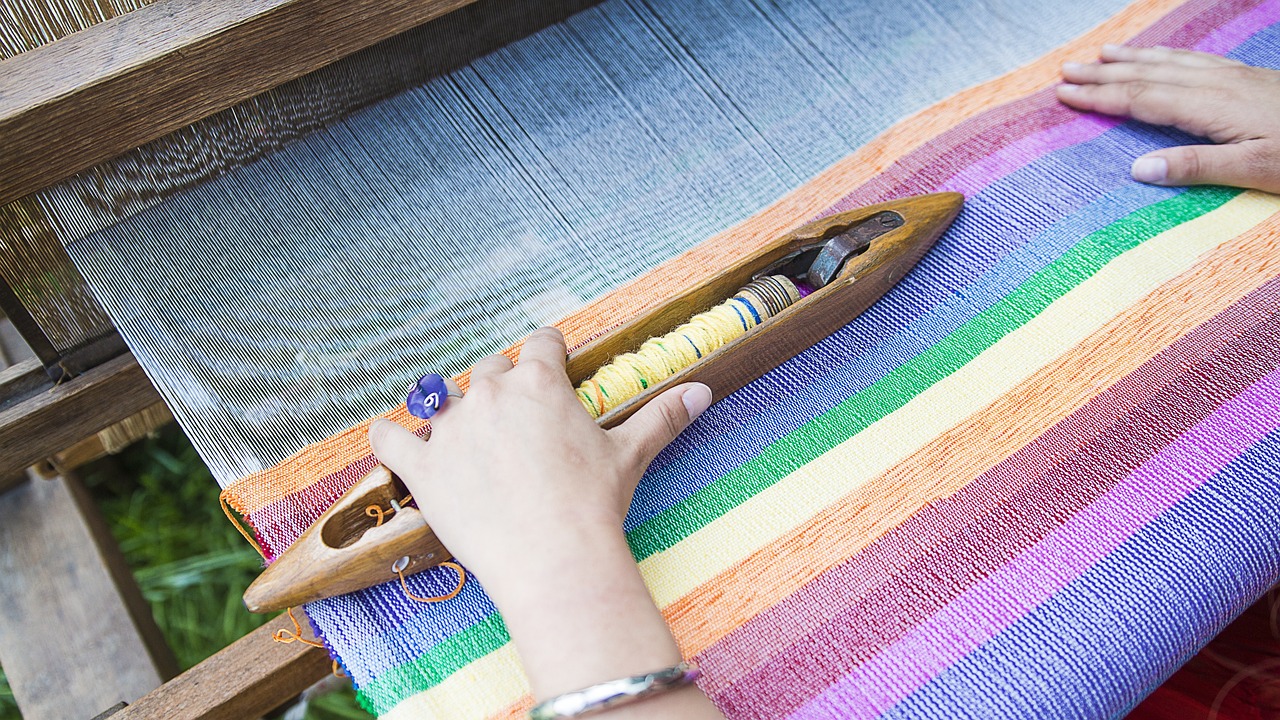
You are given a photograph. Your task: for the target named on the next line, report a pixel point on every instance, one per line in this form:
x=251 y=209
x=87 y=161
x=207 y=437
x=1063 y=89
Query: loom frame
x=110 y=87
x=92 y=96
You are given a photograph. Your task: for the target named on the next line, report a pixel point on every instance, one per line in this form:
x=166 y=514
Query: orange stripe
x=957 y=457
x=809 y=200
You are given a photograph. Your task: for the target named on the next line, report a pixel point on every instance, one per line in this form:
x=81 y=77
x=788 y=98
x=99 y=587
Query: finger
x=1094 y=74
x=545 y=345
x=490 y=366
x=400 y=450
x=1237 y=164
x=1186 y=58
x=1156 y=103
x=655 y=425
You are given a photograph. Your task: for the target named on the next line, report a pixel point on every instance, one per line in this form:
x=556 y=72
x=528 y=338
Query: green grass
x=192 y=565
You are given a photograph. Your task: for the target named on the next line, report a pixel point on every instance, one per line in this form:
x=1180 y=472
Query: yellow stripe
x=804 y=493
x=793 y=500
x=481 y=688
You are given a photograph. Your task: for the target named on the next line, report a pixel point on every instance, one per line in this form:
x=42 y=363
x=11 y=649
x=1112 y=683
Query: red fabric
x=1235 y=677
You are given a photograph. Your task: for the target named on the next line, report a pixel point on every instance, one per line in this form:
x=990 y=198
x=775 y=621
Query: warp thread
x=630 y=374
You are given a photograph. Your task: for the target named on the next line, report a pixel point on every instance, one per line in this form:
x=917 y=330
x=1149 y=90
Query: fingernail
x=1071 y=66
x=1150 y=169
x=1111 y=47
x=696 y=400
x=1068 y=88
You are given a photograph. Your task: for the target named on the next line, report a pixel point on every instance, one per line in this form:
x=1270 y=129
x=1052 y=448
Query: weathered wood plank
x=83 y=99
x=51 y=421
x=246 y=679
x=22 y=379
x=113 y=439
x=76 y=635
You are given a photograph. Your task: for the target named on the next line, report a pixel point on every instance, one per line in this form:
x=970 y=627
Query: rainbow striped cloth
x=1030 y=482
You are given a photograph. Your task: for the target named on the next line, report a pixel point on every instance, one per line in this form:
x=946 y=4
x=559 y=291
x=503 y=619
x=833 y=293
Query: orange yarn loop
x=462 y=580
x=284 y=636
x=376 y=511
x=225 y=503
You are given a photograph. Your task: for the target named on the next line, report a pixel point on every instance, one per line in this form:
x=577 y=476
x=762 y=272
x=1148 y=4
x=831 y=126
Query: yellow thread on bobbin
x=659 y=358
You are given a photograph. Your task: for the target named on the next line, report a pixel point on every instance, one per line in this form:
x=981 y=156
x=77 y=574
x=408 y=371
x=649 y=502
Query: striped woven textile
x=1029 y=482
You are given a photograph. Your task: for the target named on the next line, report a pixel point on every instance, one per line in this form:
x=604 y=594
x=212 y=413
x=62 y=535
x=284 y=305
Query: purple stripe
x=1013 y=157
x=997 y=602
x=1226 y=38
x=853 y=611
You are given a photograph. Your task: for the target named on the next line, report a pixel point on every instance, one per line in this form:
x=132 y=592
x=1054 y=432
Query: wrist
x=577 y=554
x=585 y=620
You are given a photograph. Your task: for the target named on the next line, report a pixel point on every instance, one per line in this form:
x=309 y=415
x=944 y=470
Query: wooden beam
x=22 y=379
x=246 y=679
x=99 y=92
x=53 y=420
x=113 y=439
x=76 y=635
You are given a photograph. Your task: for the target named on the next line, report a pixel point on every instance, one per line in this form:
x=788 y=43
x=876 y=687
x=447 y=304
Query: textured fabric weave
x=290 y=299
x=1028 y=483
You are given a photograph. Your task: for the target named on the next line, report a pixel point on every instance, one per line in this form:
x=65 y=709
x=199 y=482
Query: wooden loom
x=65 y=107
x=140 y=76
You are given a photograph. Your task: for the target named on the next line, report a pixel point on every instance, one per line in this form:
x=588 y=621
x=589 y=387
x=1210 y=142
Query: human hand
x=529 y=493
x=517 y=472
x=1230 y=103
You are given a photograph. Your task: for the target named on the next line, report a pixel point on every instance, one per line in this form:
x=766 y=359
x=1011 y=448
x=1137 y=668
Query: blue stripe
x=1124 y=626
x=742 y=318
x=1009 y=231
x=950 y=286
x=750 y=308
x=1006 y=234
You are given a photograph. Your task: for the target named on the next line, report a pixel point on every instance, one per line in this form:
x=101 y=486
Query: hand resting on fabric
x=1232 y=104
x=529 y=494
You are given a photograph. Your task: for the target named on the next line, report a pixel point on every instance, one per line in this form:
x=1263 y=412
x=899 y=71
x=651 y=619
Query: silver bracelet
x=614 y=693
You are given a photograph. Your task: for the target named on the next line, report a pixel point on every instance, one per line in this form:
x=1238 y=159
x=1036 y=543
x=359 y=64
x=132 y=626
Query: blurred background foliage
x=192 y=565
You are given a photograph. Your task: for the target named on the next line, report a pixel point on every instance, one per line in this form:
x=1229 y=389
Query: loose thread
x=226 y=510
x=376 y=511
x=284 y=636
x=462 y=579
x=630 y=374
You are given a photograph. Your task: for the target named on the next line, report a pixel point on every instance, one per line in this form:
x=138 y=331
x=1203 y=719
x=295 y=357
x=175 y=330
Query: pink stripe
x=856 y=609
x=977 y=177
x=1226 y=38
x=1002 y=599
x=1189 y=23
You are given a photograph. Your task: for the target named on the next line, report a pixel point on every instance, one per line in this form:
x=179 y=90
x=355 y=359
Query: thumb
x=1236 y=164
x=655 y=425
x=400 y=450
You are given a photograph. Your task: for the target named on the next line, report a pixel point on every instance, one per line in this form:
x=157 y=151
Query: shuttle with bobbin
x=842 y=263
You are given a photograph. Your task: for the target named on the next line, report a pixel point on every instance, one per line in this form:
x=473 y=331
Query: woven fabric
x=1029 y=482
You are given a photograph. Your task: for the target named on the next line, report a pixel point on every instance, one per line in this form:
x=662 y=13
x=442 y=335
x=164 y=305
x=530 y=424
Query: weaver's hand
x=1232 y=104
x=529 y=493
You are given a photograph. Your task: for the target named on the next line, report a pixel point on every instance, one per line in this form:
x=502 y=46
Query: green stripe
x=898 y=387
x=842 y=422
x=434 y=666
